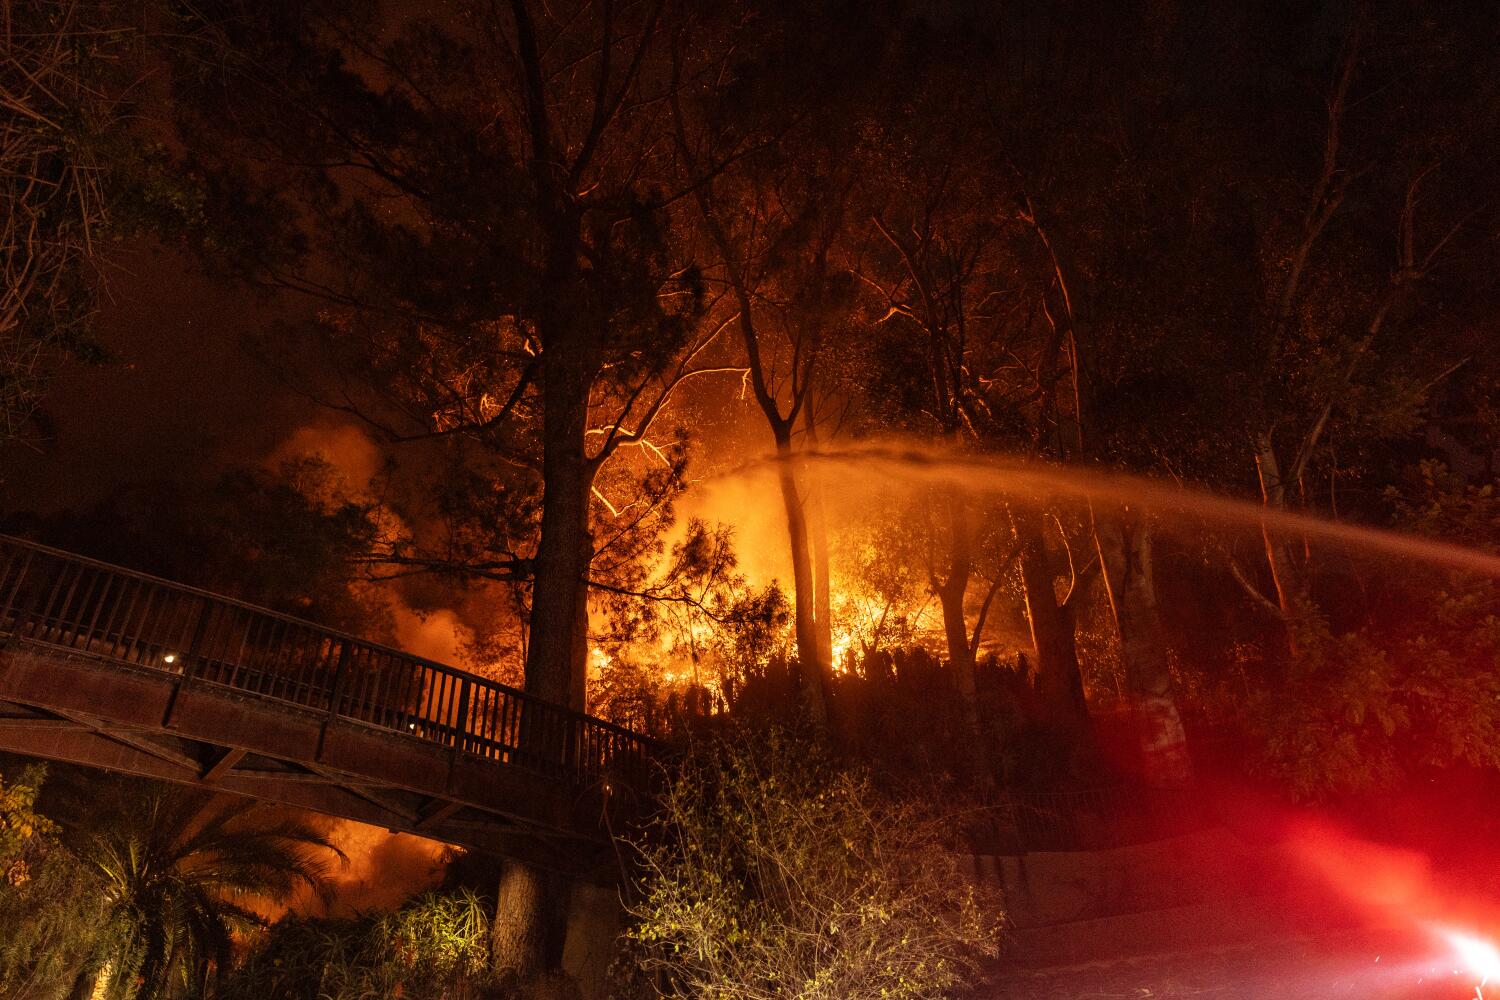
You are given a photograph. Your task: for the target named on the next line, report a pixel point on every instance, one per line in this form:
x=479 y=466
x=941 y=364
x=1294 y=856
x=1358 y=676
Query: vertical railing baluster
x=489 y=719
x=296 y=649
x=90 y=603
x=461 y=723
x=506 y=738
x=234 y=663
x=318 y=684
x=380 y=687
x=384 y=702
x=411 y=704
x=339 y=679
x=358 y=674
x=365 y=684
x=279 y=652
x=401 y=703
x=406 y=671
x=417 y=703
x=314 y=666
x=53 y=615
x=422 y=676
x=142 y=630
x=307 y=664
x=448 y=707
x=188 y=656
x=15 y=589
x=218 y=651
x=29 y=609
x=262 y=653
x=119 y=623
x=245 y=624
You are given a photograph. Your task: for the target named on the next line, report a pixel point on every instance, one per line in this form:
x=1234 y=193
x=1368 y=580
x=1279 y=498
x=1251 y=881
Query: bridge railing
x=57 y=599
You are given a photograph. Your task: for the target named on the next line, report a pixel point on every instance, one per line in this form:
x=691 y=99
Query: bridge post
x=461 y=722
x=335 y=695
x=195 y=641
x=188 y=659
x=460 y=730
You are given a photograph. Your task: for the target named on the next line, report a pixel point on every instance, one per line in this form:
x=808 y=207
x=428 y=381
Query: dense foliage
x=141 y=890
x=50 y=906
x=774 y=873
x=434 y=947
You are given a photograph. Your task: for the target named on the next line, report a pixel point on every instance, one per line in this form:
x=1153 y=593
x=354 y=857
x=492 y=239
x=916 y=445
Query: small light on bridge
x=170 y=658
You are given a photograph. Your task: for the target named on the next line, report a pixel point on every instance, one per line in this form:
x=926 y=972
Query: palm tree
x=178 y=869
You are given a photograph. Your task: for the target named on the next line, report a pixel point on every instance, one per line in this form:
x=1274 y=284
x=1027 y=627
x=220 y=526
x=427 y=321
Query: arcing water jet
x=1034 y=480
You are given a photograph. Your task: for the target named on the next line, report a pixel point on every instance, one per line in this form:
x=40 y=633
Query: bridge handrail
x=560 y=749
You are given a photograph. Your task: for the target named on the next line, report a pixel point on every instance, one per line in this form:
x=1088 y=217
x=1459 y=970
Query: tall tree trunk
x=530 y=902
x=557 y=651
x=1059 y=681
x=951 y=593
x=822 y=586
x=1292 y=595
x=519 y=933
x=817 y=515
x=814 y=686
x=1124 y=542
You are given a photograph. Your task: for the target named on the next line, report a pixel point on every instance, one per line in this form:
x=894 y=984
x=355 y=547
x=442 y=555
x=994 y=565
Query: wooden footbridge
x=114 y=669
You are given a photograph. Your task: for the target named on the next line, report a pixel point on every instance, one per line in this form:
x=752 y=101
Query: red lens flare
x=1399 y=889
x=1479 y=955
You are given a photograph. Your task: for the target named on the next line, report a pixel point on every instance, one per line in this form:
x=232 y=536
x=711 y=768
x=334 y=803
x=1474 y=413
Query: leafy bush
x=50 y=906
x=436 y=946
x=20 y=823
x=773 y=873
x=1415 y=688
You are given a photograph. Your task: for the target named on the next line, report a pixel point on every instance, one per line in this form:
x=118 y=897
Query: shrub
x=51 y=908
x=773 y=873
x=434 y=947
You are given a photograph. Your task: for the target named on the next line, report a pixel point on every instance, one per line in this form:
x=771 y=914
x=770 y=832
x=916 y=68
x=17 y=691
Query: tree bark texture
x=1059 y=682
x=814 y=684
x=557 y=651
x=1287 y=575
x=951 y=592
x=1124 y=542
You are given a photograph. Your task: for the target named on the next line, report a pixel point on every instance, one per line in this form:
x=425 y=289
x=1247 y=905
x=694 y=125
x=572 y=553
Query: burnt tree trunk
x=951 y=592
x=817 y=519
x=1124 y=542
x=1292 y=596
x=814 y=681
x=817 y=515
x=1059 y=682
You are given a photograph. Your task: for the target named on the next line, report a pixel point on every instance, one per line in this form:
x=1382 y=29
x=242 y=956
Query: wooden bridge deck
x=110 y=668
